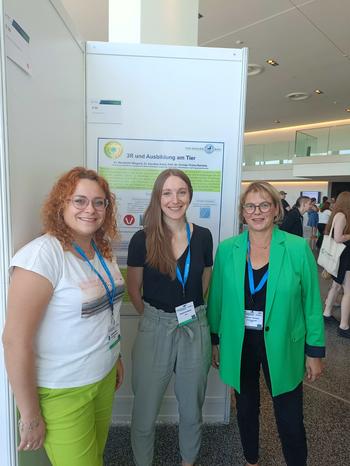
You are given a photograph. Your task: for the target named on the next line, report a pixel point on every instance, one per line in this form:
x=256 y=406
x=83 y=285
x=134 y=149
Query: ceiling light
x=295 y=96
x=276 y=121
x=347 y=109
x=323 y=124
x=239 y=42
x=272 y=62
x=254 y=69
x=318 y=91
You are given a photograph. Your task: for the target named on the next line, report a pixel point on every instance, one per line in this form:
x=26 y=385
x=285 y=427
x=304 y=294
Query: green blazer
x=293 y=316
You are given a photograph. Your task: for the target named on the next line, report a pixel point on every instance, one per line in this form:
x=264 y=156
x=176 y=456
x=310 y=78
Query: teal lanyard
x=110 y=293
x=183 y=279
x=254 y=289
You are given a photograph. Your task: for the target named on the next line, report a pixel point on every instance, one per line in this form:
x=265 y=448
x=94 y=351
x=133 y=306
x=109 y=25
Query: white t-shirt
x=323 y=217
x=73 y=342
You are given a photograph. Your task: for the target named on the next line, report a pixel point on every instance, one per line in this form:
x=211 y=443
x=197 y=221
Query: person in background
x=169 y=267
x=61 y=337
x=264 y=302
x=312 y=214
x=285 y=205
x=293 y=222
x=341 y=217
x=323 y=217
x=324 y=199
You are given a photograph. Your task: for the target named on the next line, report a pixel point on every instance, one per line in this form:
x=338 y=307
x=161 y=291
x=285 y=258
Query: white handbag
x=330 y=253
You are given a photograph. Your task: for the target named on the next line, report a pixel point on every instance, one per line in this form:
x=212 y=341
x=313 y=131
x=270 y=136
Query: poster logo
x=129 y=219
x=113 y=149
x=209 y=148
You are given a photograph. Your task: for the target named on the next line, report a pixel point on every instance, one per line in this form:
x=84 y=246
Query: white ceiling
x=309 y=39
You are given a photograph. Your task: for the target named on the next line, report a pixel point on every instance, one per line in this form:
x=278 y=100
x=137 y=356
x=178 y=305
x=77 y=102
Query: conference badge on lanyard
x=113 y=332
x=186 y=312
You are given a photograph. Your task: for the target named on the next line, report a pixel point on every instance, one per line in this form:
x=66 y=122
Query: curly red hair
x=53 y=208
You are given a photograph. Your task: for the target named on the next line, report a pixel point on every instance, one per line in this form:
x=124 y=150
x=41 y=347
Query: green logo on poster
x=113 y=149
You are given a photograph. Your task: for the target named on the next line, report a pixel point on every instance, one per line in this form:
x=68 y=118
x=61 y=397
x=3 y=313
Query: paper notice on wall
x=104 y=111
x=17 y=44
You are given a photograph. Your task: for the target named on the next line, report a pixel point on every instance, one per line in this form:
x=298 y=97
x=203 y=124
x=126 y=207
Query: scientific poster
x=131 y=166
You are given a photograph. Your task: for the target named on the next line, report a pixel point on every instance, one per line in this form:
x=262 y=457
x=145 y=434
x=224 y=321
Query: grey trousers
x=162 y=348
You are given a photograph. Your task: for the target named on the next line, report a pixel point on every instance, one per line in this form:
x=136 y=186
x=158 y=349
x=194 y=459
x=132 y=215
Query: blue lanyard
x=110 y=293
x=183 y=279
x=263 y=280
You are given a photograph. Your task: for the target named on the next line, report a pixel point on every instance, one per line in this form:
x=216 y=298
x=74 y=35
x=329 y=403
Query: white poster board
x=152 y=107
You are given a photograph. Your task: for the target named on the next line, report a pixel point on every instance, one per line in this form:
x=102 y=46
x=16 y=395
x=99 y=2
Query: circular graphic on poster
x=113 y=149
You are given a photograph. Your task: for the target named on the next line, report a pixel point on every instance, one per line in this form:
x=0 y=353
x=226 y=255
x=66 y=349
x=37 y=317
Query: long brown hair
x=158 y=236
x=342 y=204
x=53 y=209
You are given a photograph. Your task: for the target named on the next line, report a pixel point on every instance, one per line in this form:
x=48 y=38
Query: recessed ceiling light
x=318 y=91
x=347 y=109
x=239 y=42
x=276 y=121
x=254 y=69
x=295 y=96
x=272 y=62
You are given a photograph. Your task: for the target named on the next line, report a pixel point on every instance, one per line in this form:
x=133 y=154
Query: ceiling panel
x=309 y=57
x=222 y=17
x=332 y=17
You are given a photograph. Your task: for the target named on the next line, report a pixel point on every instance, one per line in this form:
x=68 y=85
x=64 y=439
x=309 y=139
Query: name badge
x=253 y=320
x=113 y=333
x=186 y=313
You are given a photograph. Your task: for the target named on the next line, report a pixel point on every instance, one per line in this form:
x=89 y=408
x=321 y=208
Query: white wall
x=43 y=115
x=169 y=22
x=90 y=18
x=45 y=112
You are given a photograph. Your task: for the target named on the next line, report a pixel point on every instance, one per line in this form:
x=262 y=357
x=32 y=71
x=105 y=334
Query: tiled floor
x=327 y=420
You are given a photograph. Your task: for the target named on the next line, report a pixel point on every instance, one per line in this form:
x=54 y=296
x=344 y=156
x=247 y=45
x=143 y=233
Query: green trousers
x=77 y=422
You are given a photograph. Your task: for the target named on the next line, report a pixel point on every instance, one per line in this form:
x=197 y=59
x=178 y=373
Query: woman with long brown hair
x=341 y=219
x=62 y=332
x=169 y=267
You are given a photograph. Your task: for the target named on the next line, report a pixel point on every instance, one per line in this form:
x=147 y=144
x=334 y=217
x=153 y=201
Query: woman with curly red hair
x=62 y=333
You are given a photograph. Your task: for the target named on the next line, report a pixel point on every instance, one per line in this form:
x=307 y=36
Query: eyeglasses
x=264 y=207
x=81 y=202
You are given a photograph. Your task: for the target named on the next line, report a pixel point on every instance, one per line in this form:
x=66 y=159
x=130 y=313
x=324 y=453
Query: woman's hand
x=32 y=432
x=120 y=374
x=314 y=368
x=215 y=356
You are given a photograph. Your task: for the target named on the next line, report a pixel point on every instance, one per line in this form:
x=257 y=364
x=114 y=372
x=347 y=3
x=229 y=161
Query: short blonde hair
x=265 y=188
